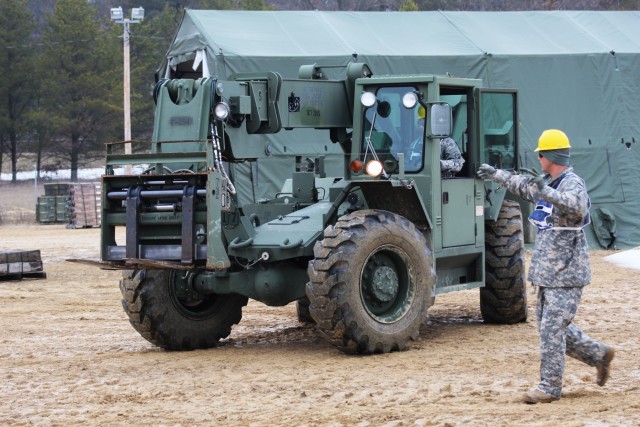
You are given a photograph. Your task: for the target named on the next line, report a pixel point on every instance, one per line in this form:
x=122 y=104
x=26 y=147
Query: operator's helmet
x=553 y=139
x=421 y=113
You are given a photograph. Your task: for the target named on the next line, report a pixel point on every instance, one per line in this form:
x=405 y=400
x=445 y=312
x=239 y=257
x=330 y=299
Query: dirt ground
x=68 y=356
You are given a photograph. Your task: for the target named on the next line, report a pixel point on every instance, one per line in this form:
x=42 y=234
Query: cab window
x=390 y=128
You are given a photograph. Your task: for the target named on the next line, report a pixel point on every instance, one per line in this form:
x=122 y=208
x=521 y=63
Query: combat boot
x=603 y=367
x=535 y=395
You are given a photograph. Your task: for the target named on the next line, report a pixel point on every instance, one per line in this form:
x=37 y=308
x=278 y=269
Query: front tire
x=504 y=297
x=165 y=315
x=371 y=282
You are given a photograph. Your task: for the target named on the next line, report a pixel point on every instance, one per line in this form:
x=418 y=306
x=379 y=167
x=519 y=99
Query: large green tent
x=578 y=71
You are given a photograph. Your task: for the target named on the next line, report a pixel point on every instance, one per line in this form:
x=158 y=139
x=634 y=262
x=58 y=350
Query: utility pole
x=117 y=16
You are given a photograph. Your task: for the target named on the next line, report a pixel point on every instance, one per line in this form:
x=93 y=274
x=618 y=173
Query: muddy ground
x=68 y=356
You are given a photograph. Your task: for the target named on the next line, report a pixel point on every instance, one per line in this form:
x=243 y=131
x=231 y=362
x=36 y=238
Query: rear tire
x=161 y=311
x=371 y=282
x=504 y=297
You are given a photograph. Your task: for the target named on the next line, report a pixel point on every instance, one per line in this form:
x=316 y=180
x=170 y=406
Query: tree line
x=61 y=63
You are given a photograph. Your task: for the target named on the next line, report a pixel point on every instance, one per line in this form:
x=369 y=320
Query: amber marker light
x=356 y=166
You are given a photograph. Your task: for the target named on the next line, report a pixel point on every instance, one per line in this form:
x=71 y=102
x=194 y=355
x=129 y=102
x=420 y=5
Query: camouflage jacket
x=450 y=158
x=560 y=257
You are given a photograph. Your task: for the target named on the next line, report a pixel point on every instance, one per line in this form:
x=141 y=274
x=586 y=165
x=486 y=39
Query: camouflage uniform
x=451 y=159
x=560 y=269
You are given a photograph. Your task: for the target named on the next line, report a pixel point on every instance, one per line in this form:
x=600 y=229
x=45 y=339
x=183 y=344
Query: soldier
x=559 y=264
x=451 y=160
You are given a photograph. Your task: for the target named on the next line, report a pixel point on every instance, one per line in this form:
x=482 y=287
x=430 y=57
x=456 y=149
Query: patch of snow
x=628 y=259
x=65 y=174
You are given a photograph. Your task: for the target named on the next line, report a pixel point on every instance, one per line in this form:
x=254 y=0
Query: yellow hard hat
x=421 y=112
x=553 y=139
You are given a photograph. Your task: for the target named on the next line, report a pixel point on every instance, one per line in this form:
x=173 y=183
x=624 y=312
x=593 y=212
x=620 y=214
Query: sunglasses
x=540 y=155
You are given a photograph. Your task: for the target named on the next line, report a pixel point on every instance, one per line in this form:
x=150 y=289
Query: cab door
x=497 y=118
x=497 y=135
x=458 y=212
x=494 y=141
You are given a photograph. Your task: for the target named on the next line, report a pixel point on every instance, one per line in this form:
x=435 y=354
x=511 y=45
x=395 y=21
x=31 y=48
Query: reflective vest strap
x=567 y=228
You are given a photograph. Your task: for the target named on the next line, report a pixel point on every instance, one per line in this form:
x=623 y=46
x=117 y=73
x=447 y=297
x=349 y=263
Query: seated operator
x=451 y=160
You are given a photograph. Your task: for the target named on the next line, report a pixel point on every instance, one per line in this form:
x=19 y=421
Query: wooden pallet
x=84 y=205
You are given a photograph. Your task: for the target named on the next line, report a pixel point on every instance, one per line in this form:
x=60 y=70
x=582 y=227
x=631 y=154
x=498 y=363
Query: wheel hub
x=187 y=300
x=385 y=284
x=380 y=282
x=386 y=287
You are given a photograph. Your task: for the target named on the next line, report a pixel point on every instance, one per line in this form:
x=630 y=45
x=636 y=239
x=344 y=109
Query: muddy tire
x=504 y=297
x=165 y=316
x=371 y=282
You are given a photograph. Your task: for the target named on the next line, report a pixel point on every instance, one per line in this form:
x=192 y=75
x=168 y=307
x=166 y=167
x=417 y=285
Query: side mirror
x=441 y=120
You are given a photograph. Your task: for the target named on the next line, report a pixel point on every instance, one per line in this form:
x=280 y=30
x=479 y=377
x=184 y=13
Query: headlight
x=221 y=111
x=409 y=99
x=374 y=168
x=368 y=99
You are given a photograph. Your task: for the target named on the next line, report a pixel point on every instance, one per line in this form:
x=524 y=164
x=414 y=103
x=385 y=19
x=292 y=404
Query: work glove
x=486 y=172
x=533 y=177
x=538 y=181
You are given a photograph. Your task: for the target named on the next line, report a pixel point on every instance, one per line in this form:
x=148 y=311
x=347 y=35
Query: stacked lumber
x=84 y=205
x=17 y=264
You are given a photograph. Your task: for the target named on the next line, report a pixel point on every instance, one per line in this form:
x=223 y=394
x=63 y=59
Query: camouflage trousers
x=555 y=310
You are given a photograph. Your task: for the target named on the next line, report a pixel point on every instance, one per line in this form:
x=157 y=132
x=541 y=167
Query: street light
x=117 y=16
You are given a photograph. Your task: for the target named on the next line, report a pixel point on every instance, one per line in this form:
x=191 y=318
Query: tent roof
x=315 y=33
x=573 y=70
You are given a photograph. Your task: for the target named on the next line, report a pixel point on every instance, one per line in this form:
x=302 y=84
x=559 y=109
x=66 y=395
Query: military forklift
x=363 y=254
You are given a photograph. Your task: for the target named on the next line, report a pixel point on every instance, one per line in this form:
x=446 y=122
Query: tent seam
x=335 y=32
x=462 y=33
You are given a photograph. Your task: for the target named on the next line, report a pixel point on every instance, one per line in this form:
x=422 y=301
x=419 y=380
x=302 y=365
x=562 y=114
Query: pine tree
x=80 y=61
x=16 y=87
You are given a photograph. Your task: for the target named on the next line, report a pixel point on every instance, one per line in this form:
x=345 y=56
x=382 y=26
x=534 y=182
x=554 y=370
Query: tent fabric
x=291 y=34
x=604 y=227
x=574 y=70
